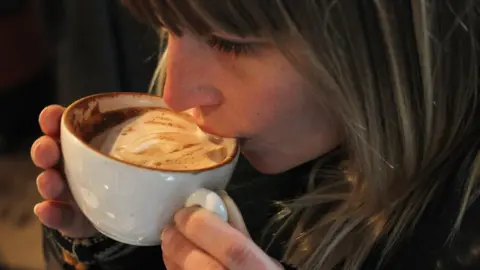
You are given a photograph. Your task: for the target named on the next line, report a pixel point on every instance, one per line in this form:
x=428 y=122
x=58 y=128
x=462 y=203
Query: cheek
x=256 y=107
x=270 y=99
x=257 y=94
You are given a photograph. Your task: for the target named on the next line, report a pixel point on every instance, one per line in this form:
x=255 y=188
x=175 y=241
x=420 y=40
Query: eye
x=229 y=47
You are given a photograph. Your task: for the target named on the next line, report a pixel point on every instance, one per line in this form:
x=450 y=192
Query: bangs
x=203 y=17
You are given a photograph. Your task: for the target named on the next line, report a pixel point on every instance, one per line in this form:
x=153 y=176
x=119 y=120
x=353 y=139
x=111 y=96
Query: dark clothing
x=254 y=194
x=254 y=197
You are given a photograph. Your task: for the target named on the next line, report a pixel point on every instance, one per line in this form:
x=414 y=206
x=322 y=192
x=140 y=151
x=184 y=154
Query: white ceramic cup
x=126 y=202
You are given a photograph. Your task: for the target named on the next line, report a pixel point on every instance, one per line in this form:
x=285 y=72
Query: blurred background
x=55 y=51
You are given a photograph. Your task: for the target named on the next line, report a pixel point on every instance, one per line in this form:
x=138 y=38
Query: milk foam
x=162 y=139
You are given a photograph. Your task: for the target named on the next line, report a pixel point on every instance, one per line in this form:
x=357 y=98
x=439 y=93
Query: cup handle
x=208 y=200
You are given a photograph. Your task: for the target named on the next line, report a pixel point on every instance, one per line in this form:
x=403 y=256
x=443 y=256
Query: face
x=250 y=92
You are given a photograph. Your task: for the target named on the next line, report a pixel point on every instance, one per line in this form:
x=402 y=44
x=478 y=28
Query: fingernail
x=35 y=209
x=167 y=234
x=34 y=147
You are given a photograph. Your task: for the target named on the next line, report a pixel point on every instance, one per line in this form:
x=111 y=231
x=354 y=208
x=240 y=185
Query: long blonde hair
x=404 y=79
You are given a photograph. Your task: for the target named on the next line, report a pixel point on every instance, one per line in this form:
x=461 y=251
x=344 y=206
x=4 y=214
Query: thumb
x=235 y=217
x=236 y=220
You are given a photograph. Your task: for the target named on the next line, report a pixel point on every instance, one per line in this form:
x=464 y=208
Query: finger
x=235 y=217
x=52 y=186
x=54 y=215
x=65 y=218
x=45 y=152
x=170 y=264
x=49 y=120
x=184 y=253
x=228 y=245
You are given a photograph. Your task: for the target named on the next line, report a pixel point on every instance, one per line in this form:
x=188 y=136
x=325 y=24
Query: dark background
x=55 y=51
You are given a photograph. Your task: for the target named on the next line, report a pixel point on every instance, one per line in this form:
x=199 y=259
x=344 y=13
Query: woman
x=363 y=116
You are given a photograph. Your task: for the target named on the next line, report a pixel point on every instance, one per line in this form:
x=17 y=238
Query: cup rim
x=68 y=125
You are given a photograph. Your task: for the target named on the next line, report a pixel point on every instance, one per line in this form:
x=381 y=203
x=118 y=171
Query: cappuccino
x=160 y=139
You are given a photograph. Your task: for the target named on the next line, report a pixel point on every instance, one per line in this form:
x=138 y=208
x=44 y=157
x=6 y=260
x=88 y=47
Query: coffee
x=160 y=139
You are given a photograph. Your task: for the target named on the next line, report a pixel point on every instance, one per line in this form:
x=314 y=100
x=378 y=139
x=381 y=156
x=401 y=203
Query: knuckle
x=199 y=260
x=195 y=221
x=50 y=184
x=47 y=175
x=175 y=245
x=238 y=254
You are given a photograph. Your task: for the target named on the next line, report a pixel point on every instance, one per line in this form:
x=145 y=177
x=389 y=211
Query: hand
x=59 y=211
x=199 y=239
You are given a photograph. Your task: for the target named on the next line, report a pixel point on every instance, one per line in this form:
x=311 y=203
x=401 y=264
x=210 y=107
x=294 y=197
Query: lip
x=240 y=140
x=211 y=131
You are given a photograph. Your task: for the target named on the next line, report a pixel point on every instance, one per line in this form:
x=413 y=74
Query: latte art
x=162 y=139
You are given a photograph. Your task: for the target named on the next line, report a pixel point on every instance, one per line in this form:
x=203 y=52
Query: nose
x=188 y=84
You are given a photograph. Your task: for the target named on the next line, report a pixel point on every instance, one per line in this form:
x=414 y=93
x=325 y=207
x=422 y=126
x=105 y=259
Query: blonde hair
x=404 y=78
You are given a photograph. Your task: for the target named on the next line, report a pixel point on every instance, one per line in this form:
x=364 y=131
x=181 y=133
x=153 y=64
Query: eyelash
x=229 y=47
